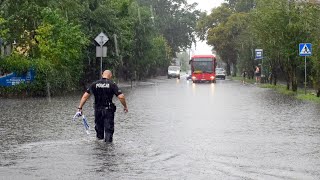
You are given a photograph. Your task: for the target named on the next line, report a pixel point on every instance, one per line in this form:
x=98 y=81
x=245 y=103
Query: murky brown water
x=174 y=130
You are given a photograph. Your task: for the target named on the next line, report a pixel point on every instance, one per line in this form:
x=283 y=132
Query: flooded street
x=174 y=130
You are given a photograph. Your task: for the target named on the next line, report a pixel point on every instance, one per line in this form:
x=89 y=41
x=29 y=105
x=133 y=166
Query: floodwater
x=174 y=130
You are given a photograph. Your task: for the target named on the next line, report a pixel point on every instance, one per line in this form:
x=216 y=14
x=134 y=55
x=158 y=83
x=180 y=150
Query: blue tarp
x=14 y=79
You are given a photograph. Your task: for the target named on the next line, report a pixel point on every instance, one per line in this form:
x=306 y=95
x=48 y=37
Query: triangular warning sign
x=305 y=50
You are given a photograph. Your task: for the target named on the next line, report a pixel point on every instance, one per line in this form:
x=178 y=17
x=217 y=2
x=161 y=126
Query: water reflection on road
x=174 y=130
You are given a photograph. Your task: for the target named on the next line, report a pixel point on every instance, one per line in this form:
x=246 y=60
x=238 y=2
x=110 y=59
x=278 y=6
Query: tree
x=60 y=45
x=3 y=33
x=54 y=50
x=225 y=27
x=175 y=20
x=242 y=5
x=314 y=13
x=283 y=24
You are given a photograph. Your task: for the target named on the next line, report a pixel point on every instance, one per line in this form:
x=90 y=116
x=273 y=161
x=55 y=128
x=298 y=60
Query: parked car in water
x=220 y=73
x=174 y=72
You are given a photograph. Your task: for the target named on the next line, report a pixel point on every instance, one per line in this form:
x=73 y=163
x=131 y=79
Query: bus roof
x=203 y=56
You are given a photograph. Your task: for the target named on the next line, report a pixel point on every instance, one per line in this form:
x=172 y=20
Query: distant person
x=270 y=77
x=244 y=76
x=104 y=109
x=257 y=73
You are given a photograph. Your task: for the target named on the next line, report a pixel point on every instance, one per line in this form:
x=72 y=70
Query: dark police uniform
x=104 y=109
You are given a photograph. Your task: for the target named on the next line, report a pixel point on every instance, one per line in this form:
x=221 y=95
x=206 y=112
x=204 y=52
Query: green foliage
x=3 y=29
x=15 y=63
x=236 y=28
x=159 y=55
x=309 y=97
x=53 y=38
x=315 y=59
x=184 y=59
x=299 y=94
x=224 y=33
x=18 y=90
x=285 y=24
x=175 y=20
x=57 y=54
x=60 y=43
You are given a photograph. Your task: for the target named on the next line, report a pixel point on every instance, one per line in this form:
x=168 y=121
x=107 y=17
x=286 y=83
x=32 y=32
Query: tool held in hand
x=84 y=121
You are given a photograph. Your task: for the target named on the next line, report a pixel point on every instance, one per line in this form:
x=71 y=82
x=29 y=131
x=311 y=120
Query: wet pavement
x=174 y=130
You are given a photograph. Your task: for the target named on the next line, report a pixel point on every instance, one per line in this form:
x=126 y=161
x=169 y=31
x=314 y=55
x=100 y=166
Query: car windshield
x=174 y=68
x=219 y=69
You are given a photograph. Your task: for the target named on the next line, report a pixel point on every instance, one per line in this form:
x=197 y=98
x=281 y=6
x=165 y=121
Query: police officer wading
x=104 y=109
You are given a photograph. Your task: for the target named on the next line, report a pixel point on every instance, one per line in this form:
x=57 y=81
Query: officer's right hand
x=80 y=110
x=125 y=110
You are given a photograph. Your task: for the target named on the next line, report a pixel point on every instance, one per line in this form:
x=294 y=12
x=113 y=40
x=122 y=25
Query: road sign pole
x=101 y=60
x=305 y=49
x=262 y=70
x=101 y=39
x=101 y=46
x=305 y=75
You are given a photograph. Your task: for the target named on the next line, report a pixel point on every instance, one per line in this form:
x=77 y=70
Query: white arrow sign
x=101 y=39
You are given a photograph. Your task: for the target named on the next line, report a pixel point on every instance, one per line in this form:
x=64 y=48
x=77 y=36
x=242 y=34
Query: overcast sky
x=206 y=5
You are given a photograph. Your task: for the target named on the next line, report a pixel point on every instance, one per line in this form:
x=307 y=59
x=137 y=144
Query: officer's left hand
x=125 y=110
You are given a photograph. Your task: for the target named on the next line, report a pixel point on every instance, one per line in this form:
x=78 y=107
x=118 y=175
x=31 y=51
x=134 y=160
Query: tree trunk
x=228 y=69
x=294 y=83
x=318 y=87
x=288 y=81
x=275 y=79
x=294 y=87
x=234 y=72
x=294 y=79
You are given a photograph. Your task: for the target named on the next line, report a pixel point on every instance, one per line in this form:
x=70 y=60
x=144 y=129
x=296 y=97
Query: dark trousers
x=104 y=124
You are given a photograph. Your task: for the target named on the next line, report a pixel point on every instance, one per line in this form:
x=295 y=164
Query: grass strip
x=300 y=94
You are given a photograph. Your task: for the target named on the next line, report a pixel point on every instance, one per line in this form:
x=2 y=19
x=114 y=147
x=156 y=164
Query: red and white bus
x=203 y=68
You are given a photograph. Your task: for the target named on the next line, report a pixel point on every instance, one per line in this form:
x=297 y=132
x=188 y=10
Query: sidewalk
x=146 y=82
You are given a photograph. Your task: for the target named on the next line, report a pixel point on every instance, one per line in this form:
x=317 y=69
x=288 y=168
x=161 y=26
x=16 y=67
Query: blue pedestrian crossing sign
x=305 y=49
